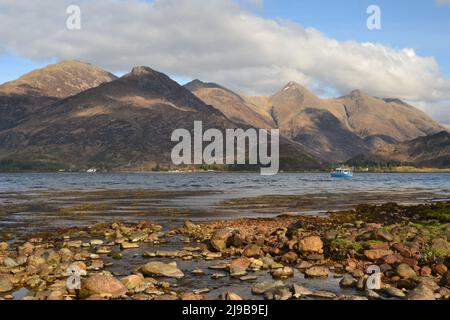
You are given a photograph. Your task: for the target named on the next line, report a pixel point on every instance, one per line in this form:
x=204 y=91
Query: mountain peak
x=62 y=79
x=294 y=86
x=142 y=71
x=197 y=84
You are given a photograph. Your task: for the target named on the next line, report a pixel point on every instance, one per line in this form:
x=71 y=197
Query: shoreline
x=286 y=257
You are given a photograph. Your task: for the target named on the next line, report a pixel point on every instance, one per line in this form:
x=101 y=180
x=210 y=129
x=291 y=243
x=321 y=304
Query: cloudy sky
x=252 y=46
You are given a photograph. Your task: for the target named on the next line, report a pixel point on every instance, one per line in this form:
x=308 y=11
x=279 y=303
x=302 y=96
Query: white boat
x=92 y=170
x=342 y=173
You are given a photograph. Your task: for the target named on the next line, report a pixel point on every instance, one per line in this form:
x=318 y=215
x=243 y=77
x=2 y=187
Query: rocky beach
x=274 y=258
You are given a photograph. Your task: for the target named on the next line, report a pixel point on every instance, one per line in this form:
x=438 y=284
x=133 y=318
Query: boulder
x=252 y=251
x=311 y=244
x=238 y=267
x=6 y=284
x=283 y=273
x=102 y=285
x=261 y=288
x=421 y=292
x=405 y=271
x=374 y=255
x=317 y=272
x=160 y=269
x=219 y=240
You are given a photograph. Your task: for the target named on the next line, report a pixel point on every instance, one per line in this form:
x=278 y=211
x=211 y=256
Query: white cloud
x=217 y=41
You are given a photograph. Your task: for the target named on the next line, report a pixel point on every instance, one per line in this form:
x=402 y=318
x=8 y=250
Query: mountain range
x=77 y=114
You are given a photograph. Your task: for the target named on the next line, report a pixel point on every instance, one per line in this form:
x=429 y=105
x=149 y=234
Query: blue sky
x=421 y=24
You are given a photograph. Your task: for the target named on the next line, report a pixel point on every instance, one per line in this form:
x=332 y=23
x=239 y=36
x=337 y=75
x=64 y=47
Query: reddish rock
x=441 y=269
x=375 y=255
x=426 y=271
x=252 y=251
x=291 y=257
x=103 y=285
x=392 y=259
x=311 y=244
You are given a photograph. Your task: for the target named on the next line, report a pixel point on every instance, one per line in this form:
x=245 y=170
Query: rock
x=444 y=292
x=311 y=244
x=392 y=258
x=238 y=267
x=252 y=251
x=96 y=242
x=347 y=281
x=236 y=240
x=230 y=296
x=405 y=271
x=190 y=296
x=278 y=294
x=138 y=236
x=4 y=246
x=128 y=246
x=290 y=257
x=219 y=240
x=374 y=255
x=445 y=281
x=102 y=285
x=26 y=249
x=160 y=269
x=384 y=235
x=421 y=292
x=190 y=226
x=372 y=295
x=133 y=281
x=357 y=273
x=103 y=250
x=6 y=284
x=426 y=271
x=57 y=295
x=10 y=263
x=304 y=265
x=283 y=273
x=74 y=244
x=261 y=288
x=393 y=292
x=248 y=278
x=325 y=295
x=317 y=272
x=300 y=291
x=441 y=268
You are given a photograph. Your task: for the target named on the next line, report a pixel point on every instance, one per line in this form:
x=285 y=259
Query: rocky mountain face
x=125 y=124
x=431 y=151
x=338 y=129
x=43 y=87
x=235 y=107
x=78 y=114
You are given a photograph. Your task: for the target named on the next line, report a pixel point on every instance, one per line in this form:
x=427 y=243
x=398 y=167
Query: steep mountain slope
x=430 y=151
x=229 y=103
x=339 y=129
x=370 y=116
x=45 y=86
x=123 y=124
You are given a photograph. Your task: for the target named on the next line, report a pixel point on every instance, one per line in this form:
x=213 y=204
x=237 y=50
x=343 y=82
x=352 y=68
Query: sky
x=251 y=46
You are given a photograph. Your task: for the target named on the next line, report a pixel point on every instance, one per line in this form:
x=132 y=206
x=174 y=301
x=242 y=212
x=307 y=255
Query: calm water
x=242 y=184
x=318 y=194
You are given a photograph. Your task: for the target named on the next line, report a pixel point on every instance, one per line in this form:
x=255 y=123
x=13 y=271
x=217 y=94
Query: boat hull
x=342 y=175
